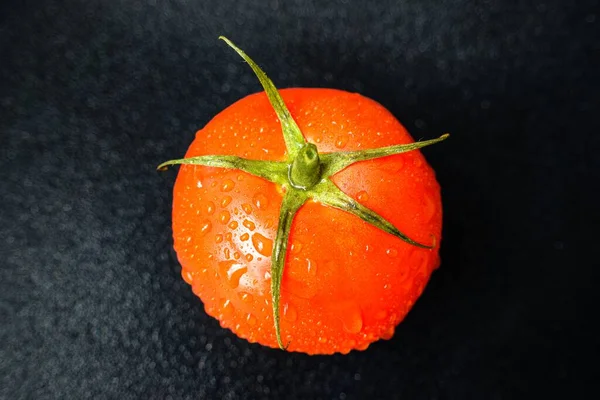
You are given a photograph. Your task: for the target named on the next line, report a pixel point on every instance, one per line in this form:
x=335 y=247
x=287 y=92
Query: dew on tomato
x=225 y=201
x=289 y=312
x=224 y=217
x=232 y=271
x=249 y=224
x=233 y=225
x=262 y=244
x=341 y=142
x=352 y=319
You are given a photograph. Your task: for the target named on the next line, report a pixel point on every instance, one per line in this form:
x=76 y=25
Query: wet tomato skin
x=346 y=283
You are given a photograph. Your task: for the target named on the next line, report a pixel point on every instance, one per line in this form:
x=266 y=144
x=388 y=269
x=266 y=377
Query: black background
x=94 y=94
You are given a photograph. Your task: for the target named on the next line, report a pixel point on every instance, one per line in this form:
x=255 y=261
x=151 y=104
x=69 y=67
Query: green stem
x=292 y=201
x=328 y=194
x=294 y=140
x=272 y=171
x=335 y=162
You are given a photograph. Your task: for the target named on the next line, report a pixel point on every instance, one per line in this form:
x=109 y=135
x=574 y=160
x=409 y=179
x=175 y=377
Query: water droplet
x=227 y=253
x=228 y=236
x=247 y=208
x=399 y=164
x=289 y=312
x=219 y=238
x=419 y=285
x=249 y=224
x=227 y=185
x=236 y=255
x=260 y=201
x=362 y=346
x=322 y=339
x=249 y=257
x=227 y=309
x=269 y=223
x=251 y=319
x=244 y=237
x=267 y=275
x=233 y=225
x=246 y=297
x=225 y=201
x=418 y=259
x=224 y=217
x=341 y=141
x=197 y=287
x=232 y=272
x=262 y=244
x=388 y=334
x=296 y=247
x=352 y=319
x=240 y=177
x=187 y=276
x=209 y=309
x=205 y=227
x=418 y=161
x=209 y=208
x=391 y=252
x=430 y=207
x=381 y=315
x=311 y=267
x=362 y=196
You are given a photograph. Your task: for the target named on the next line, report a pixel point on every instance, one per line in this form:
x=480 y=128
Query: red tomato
x=345 y=283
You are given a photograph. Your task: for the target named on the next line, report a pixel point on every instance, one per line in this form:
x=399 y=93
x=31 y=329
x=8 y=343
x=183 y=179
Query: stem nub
x=305 y=170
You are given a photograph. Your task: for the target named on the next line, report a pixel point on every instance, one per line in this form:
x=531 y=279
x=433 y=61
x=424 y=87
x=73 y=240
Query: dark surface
x=94 y=94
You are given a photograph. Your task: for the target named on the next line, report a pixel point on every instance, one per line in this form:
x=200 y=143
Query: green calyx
x=305 y=175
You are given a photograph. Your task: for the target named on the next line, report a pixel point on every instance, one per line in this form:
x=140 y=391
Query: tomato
x=303 y=249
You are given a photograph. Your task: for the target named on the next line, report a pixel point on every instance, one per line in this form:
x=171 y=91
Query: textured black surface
x=94 y=94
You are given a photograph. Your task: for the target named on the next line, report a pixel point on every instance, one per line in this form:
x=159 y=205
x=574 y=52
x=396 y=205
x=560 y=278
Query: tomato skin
x=346 y=283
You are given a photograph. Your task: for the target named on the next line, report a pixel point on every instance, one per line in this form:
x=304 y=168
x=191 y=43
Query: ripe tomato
x=344 y=283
